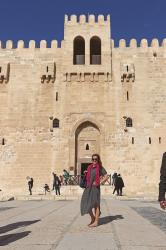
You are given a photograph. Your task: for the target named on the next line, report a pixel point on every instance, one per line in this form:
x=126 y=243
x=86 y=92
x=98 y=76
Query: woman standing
x=91 y=195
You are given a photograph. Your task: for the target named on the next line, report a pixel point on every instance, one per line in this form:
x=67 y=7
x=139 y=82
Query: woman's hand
x=104 y=179
x=163 y=204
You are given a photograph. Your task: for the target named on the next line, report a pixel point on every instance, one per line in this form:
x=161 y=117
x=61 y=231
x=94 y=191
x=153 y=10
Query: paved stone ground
x=49 y=225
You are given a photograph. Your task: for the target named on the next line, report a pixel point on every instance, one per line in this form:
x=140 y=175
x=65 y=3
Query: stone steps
x=73 y=193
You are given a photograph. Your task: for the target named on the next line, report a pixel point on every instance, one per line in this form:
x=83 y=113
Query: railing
x=79 y=59
x=74 y=180
x=95 y=59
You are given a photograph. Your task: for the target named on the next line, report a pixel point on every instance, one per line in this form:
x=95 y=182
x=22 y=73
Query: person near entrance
x=91 y=196
x=119 y=185
x=66 y=176
x=30 y=185
x=162 y=184
x=57 y=185
x=53 y=185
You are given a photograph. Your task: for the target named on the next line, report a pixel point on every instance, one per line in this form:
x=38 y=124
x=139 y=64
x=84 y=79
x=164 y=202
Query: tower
x=86 y=66
x=87 y=46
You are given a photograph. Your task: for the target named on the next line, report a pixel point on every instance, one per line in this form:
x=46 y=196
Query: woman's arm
x=104 y=179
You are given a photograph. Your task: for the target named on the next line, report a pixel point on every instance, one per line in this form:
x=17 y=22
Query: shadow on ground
x=108 y=219
x=16 y=225
x=5 y=208
x=7 y=239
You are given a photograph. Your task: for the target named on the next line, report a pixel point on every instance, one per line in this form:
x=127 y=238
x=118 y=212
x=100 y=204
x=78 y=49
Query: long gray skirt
x=90 y=199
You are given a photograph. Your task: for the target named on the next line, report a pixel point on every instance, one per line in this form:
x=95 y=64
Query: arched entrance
x=87 y=142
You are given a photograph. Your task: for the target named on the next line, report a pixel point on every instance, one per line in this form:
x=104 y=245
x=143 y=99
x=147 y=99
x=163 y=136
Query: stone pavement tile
x=135 y=230
x=23 y=208
x=156 y=216
x=28 y=247
x=52 y=226
x=143 y=248
x=81 y=237
x=87 y=241
x=44 y=232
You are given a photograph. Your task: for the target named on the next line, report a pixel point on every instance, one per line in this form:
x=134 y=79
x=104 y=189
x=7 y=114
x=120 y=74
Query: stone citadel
x=58 y=105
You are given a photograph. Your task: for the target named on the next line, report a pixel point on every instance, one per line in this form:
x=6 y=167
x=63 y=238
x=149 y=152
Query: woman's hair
x=99 y=159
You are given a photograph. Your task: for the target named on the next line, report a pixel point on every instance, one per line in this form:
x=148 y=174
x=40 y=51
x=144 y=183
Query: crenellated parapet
x=90 y=19
x=133 y=43
x=32 y=45
x=164 y=43
x=143 y=43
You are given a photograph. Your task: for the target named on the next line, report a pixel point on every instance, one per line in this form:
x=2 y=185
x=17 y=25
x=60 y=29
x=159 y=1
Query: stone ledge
x=6 y=197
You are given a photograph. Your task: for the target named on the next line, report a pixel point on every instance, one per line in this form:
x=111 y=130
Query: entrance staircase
x=67 y=193
x=74 y=192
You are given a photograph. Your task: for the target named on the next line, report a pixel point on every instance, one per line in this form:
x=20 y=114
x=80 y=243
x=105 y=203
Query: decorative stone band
x=87 y=77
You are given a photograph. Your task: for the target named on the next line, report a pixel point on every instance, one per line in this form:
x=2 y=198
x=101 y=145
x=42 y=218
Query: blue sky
x=44 y=19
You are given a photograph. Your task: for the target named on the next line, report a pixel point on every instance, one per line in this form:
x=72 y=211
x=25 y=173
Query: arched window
x=55 y=123
x=129 y=122
x=95 y=50
x=79 y=50
x=87 y=146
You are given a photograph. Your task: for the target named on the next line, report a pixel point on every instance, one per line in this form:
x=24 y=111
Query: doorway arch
x=87 y=133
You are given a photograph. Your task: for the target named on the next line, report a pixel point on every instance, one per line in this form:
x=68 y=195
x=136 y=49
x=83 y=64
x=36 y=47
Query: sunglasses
x=94 y=159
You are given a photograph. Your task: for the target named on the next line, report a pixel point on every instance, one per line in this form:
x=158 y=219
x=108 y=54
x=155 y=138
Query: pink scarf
x=97 y=178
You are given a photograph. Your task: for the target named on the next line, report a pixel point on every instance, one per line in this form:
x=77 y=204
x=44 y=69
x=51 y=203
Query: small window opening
x=127 y=68
x=154 y=54
x=129 y=122
x=127 y=96
x=159 y=140
x=3 y=141
x=150 y=141
x=47 y=68
x=55 y=123
x=0 y=69
x=87 y=146
x=56 y=96
x=132 y=140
